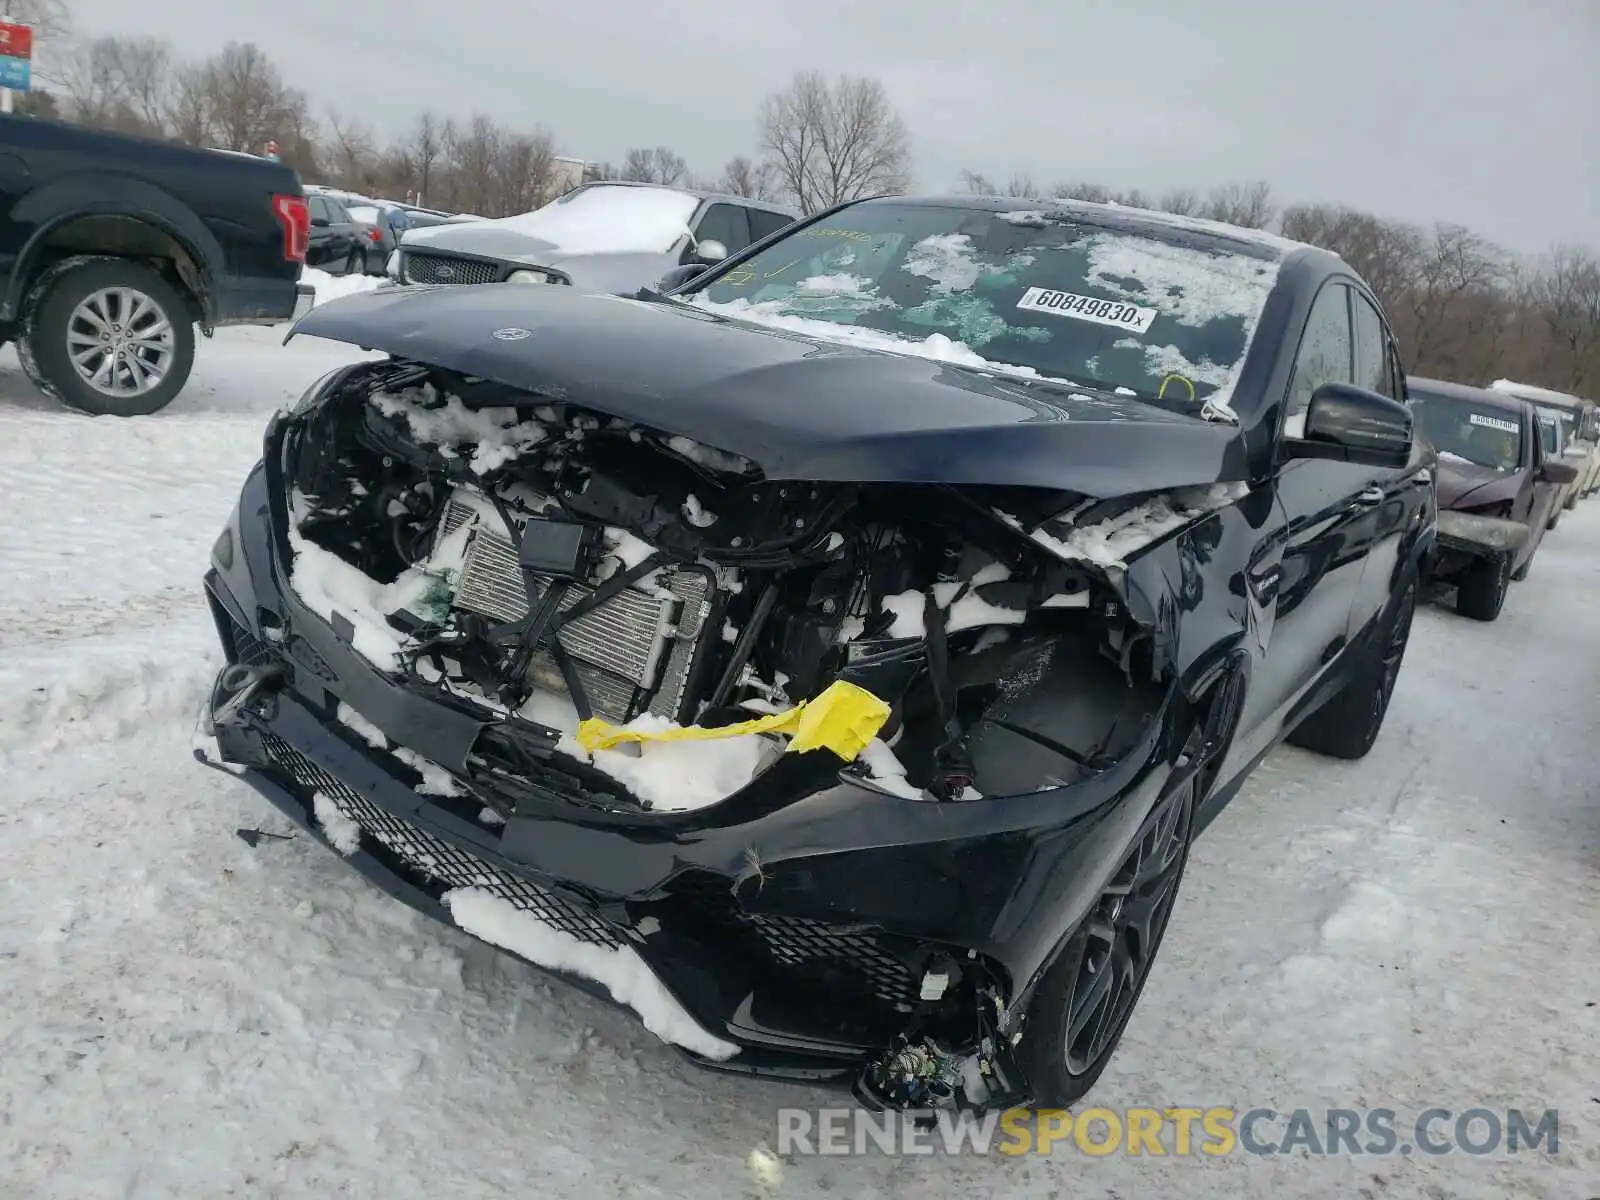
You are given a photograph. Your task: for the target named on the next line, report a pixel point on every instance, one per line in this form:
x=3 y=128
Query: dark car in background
x=340 y=244
x=114 y=248
x=611 y=237
x=1498 y=488
x=833 y=658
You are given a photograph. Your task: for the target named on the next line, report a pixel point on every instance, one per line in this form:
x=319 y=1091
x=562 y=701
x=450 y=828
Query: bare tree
x=1185 y=202
x=146 y=65
x=92 y=81
x=1246 y=204
x=423 y=149
x=246 y=95
x=659 y=165
x=189 y=109
x=50 y=20
x=353 y=152
x=473 y=152
x=976 y=183
x=832 y=142
x=525 y=171
x=742 y=176
x=1567 y=291
x=1094 y=193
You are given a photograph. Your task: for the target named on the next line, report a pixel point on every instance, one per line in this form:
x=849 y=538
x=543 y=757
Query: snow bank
x=621 y=971
x=334 y=287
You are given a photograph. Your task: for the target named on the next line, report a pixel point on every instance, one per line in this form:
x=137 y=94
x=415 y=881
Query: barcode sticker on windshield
x=1086 y=308
x=1493 y=423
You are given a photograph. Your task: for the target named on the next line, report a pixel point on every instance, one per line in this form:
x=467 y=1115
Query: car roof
x=1504 y=401
x=783 y=210
x=1161 y=226
x=1539 y=395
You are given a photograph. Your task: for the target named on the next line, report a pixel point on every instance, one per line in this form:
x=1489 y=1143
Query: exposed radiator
x=632 y=654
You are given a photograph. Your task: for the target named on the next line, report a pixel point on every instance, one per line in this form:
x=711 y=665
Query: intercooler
x=632 y=654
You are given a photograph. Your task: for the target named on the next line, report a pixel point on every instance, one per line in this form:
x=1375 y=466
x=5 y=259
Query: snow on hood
x=594 y=220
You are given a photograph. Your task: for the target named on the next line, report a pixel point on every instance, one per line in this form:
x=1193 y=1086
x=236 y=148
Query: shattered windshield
x=1044 y=292
x=1463 y=432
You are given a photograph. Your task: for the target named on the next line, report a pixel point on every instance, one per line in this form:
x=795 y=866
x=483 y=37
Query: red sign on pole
x=16 y=41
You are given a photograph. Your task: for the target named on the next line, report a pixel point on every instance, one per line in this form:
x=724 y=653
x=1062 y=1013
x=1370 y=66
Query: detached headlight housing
x=529 y=277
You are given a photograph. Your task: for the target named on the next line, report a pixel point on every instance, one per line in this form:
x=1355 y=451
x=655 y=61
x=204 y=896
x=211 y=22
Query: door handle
x=1369 y=498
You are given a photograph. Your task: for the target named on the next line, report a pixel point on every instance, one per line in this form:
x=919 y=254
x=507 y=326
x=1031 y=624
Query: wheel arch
x=141 y=223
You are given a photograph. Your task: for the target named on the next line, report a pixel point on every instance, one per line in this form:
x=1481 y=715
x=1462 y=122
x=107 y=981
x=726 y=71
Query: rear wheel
x=1086 y=998
x=1348 y=725
x=1482 y=591
x=109 y=337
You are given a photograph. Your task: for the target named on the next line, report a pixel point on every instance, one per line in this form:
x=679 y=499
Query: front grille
x=642 y=640
x=446 y=268
x=439 y=864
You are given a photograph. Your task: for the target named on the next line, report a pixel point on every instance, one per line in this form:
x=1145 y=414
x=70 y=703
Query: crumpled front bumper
x=1475 y=534
x=797 y=926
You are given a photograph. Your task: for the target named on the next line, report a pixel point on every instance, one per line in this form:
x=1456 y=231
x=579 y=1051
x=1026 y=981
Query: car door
x=1393 y=500
x=1543 y=496
x=320 y=248
x=1324 y=504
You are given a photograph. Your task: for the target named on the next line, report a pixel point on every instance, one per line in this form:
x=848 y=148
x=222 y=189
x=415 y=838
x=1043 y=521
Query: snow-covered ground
x=182 y=1015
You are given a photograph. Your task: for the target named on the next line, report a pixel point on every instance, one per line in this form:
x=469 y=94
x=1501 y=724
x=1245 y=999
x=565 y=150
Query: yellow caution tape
x=844 y=718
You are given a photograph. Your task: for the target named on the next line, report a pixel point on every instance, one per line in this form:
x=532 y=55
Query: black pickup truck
x=114 y=248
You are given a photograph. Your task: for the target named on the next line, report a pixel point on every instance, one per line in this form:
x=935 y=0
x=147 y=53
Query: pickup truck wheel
x=1084 y=1002
x=1482 y=591
x=1348 y=724
x=111 y=338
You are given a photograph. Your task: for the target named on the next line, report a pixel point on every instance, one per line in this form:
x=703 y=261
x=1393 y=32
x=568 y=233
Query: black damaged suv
x=834 y=657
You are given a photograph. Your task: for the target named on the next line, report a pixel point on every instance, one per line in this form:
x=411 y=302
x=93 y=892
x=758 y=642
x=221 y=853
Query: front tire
x=1482 y=592
x=109 y=337
x=1348 y=724
x=1086 y=998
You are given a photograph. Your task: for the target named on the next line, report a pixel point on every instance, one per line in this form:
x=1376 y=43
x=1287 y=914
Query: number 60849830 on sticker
x=1115 y=313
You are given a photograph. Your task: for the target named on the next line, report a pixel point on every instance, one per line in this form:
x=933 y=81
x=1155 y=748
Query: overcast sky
x=1483 y=112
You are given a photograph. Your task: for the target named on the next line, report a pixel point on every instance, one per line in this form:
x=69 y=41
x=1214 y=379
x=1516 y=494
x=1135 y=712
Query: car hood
x=1467 y=485
x=798 y=406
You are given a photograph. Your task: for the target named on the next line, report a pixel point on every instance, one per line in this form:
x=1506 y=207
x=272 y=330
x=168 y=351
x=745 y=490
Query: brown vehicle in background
x=1497 y=489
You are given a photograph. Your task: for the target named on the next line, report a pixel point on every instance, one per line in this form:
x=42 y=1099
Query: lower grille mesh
x=433 y=858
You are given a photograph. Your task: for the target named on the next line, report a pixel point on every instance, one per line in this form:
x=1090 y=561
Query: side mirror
x=677 y=277
x=319 y=222
x=1354 y=425
x=1558 y=473
x=710 y=251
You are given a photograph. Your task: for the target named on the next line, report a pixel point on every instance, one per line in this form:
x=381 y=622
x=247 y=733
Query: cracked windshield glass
x=1043 y=292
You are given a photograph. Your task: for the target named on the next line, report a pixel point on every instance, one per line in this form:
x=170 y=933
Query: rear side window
x=1326 y=353
x=765 y=224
